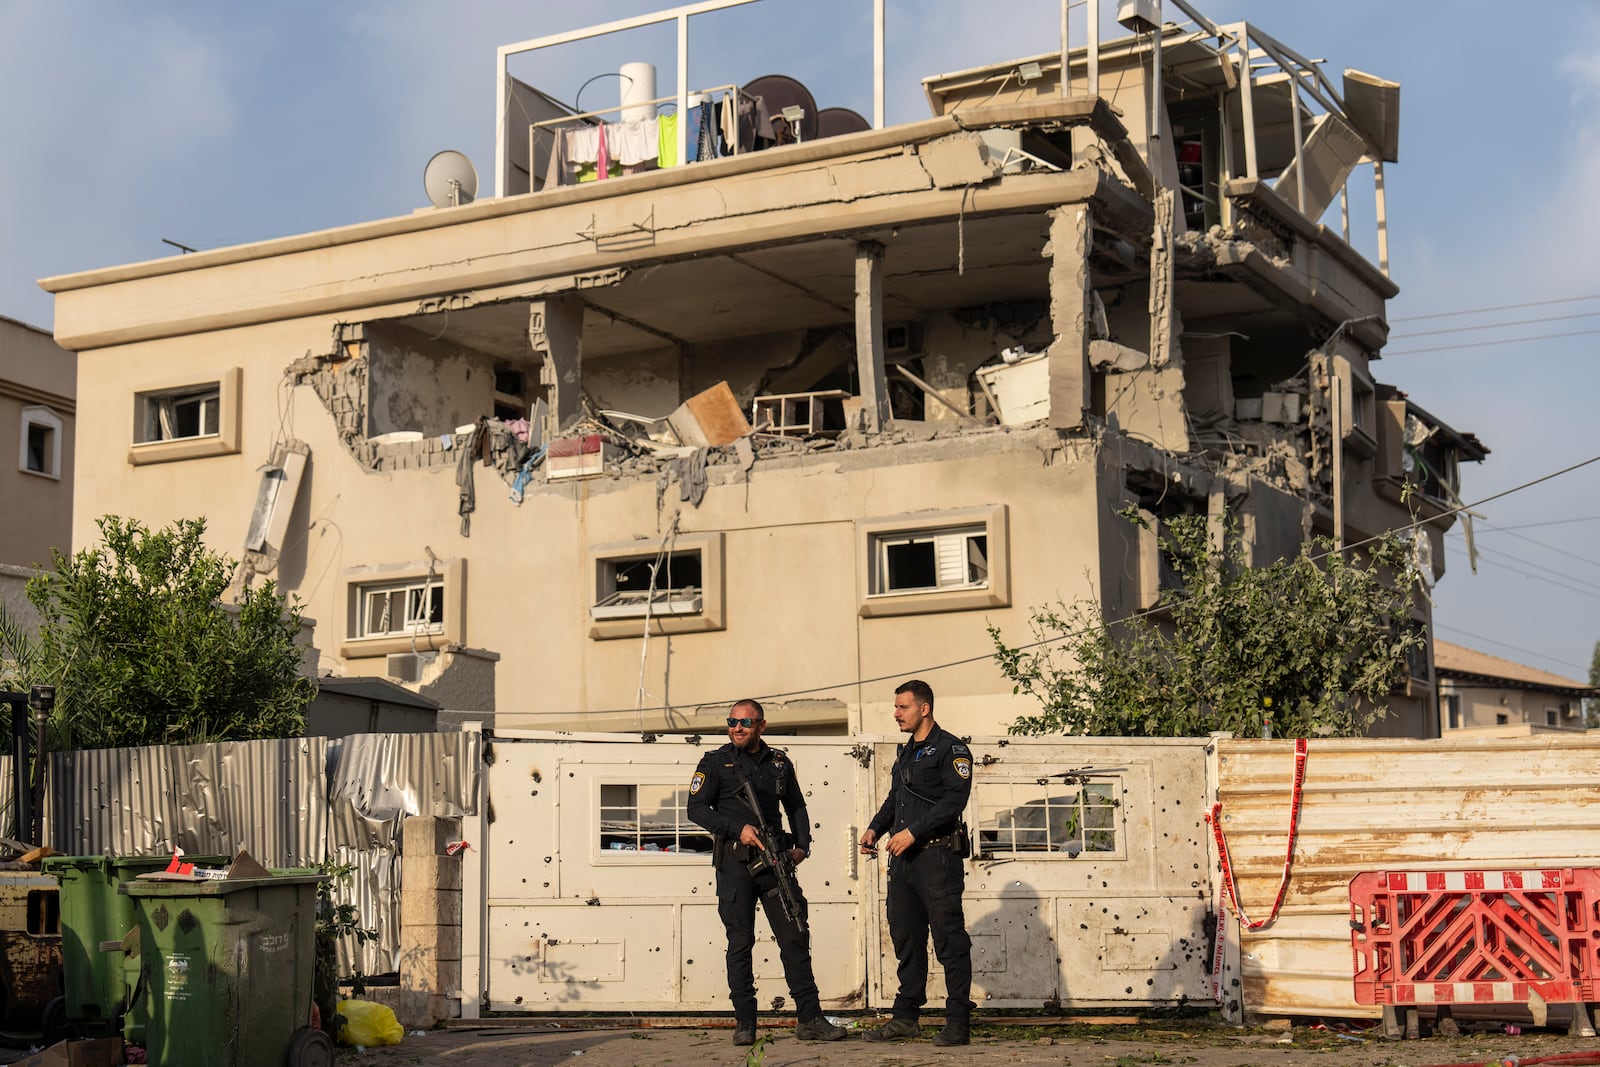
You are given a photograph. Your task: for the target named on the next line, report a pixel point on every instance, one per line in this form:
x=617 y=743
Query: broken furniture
x=801 y=414
x=1019 y=392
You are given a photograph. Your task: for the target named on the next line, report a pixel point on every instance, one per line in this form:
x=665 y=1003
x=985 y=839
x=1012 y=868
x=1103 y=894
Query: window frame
x=225 y=441
x=360 y=582
x=1115 y=786
x=684 y=826
x=873 y=533
x=41 y=415
x=709 y=615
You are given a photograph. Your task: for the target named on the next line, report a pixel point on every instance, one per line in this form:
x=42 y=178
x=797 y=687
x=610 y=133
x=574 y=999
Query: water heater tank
x=638 y=87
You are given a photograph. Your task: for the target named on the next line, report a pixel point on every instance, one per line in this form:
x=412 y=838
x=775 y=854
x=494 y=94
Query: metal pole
x=1094 y=47
x=20 y=795
x=1338 y=454
x=500 y=161
x=877 y=64
x=1066 y=46
x=1383 y=217
x=683 y=90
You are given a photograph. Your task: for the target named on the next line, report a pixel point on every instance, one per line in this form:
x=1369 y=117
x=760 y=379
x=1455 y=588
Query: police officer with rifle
x=739 y=793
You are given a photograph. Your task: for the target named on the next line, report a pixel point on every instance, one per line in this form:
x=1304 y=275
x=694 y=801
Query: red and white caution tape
x=1214 y=817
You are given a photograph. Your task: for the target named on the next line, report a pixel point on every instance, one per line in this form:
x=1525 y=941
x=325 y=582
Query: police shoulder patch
x=696 y=782
x=963 y=767
x=960 y=749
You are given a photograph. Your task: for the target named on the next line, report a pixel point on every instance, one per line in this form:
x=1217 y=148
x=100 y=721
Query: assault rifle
x=774 y=855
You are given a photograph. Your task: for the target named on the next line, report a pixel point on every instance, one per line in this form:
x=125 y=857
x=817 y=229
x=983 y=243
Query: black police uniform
x=715 y=803
x=928 y=791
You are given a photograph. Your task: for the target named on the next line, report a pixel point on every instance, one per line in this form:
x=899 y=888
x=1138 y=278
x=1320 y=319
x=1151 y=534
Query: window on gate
x=1044 y=817
x=650 y=817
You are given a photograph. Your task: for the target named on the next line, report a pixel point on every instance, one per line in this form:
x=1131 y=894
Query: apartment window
x=1552 y=716
x=676 y=588
x=409 y=607
x=1041 y=817
x=1501 y=718
x=1452 y=711
x=401 y=608
x=186 y=421
x=944 y=561
x=634 y=587
x=40 y=449
x=647 y=817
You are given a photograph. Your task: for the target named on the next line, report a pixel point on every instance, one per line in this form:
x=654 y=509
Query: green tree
x=142 y=651
x=1317 y=643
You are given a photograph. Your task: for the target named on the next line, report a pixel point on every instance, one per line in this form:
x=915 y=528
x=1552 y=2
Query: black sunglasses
x=746 y=723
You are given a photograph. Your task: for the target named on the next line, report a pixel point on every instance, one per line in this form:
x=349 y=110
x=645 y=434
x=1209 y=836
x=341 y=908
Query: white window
x=402 y=608
x=921 y=561
x=186 y=421
x=1041 y=817
x=672 y=589
x=632 y=587
x=405 y=607
x=647 y=817
x=182 y=414
x=41 y=442
x=943 y=561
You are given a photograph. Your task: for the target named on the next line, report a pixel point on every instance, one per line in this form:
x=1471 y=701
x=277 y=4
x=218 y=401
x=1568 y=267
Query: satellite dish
x=779 y=91
x=833 y=121
x=450 y=179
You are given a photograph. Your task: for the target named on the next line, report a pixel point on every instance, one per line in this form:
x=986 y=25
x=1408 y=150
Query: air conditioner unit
x=403 y=666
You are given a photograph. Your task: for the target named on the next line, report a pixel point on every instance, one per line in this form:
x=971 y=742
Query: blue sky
x=216 y=124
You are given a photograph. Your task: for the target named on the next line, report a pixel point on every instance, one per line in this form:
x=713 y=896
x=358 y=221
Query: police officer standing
x=716 y=804
x=928 y=791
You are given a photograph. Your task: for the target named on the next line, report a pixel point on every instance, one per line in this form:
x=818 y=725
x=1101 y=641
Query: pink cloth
x=603 y=160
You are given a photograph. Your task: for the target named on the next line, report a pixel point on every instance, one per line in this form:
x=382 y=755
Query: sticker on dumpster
x=177 y=977
x=273 y=942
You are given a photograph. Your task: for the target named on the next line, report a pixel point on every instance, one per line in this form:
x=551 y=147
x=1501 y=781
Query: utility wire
x=1572 y=585
x=1501 y=307
x=1514 y=648
x=1538 y=544
x=1497 y=325
x=1488 y=344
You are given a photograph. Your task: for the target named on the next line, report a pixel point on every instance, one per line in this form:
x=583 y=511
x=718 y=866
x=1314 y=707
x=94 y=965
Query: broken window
x=635 y=586
x=1047 y=817
x=648 y=817
x=187 y=421
x=399 y=608
x=183 y=413
x=919 y=561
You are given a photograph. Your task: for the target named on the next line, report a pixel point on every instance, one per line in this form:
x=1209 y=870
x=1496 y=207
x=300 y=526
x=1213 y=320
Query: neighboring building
x=346 y=706
x=38 y=383
x=1483 y=693
x=973 y=344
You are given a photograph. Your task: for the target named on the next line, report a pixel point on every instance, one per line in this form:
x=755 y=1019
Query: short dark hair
x=753 y=705
x=920 y=691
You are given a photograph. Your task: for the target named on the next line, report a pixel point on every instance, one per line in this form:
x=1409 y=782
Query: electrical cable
x=1496 y=325
x=1514 y=648
x=1490 y=344
x=1501 y=307
x=1537 y=544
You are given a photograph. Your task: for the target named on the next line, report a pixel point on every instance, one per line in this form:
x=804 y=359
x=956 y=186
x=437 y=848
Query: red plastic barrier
x=1475 y=937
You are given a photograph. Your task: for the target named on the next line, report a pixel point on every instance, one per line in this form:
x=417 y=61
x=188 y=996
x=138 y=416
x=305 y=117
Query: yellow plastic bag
x=368 y=1024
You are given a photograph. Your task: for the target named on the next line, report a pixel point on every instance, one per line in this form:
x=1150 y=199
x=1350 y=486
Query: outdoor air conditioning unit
x=403 y=666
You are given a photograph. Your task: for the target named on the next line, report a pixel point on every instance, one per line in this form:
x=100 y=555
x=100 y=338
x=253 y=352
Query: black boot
x=955 y=1032
x=744 y=1032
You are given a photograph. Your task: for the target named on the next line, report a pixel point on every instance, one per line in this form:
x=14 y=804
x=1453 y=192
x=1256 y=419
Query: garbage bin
x=226 y=971
x=94 y=913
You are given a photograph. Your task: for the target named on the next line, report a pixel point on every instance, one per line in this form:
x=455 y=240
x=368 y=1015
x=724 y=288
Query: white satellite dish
x=450 y=179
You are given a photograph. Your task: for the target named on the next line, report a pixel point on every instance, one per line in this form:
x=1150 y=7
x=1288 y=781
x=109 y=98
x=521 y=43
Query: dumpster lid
x=167 y=886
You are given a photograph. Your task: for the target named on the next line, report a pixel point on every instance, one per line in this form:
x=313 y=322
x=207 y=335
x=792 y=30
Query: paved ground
x=1199 y=1043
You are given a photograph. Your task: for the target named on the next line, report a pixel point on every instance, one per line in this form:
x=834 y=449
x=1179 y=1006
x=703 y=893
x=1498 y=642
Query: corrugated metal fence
x=1384 y=805
x=296 y=802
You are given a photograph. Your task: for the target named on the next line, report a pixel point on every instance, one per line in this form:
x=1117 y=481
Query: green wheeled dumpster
x=226 y=971
x=93 y=916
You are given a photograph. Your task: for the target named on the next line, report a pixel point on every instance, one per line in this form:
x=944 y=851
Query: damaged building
x=794 y=402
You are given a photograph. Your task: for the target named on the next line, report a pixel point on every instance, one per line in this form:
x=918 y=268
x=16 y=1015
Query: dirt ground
x=1197 y=1042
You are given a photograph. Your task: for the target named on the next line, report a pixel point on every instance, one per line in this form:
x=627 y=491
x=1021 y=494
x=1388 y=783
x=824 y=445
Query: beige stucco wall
x=1481 y=704
x=37 y=512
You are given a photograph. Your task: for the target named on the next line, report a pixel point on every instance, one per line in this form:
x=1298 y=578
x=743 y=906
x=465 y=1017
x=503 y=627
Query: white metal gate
x=592 y=892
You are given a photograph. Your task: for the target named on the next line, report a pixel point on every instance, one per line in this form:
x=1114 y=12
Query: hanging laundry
x=728 y=125
x=602 y=161
x=692 y=142
x=667 y=148
x=707 y=144
x=634 y=141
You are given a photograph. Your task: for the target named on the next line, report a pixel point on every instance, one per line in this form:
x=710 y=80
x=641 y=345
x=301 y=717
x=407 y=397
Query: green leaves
x=1315 y=644
x=143 y=651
